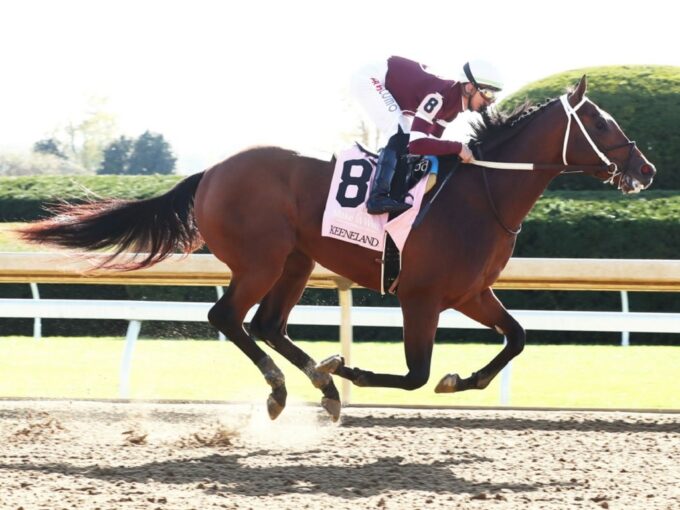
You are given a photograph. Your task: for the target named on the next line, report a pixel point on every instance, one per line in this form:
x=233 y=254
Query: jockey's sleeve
x=433 y=147
x=427 y=129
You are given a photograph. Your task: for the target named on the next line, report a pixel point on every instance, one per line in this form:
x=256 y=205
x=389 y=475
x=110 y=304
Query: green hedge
x=580 y=224
x=601 y=224
x=589 y=224
x=645 y=100
x=25 y=198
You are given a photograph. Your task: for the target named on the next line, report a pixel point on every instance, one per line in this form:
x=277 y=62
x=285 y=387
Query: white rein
x=571 y=113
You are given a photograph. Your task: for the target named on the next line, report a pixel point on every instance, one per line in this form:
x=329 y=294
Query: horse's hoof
x=330 y=364
x=332 y=407
x=276 y=402
x=273 y=407
x=448 y=384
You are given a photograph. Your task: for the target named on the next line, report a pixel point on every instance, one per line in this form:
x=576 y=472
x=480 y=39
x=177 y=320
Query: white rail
x=552 y=274
x=548 y=320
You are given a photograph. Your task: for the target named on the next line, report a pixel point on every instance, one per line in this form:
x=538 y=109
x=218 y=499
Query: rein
x=495 y=211
x=502 y=165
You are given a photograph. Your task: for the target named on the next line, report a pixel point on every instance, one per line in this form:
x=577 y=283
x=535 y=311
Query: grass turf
x=543 y=375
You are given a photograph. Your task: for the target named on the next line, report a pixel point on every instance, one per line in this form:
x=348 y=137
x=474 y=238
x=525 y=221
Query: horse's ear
x=580 y=91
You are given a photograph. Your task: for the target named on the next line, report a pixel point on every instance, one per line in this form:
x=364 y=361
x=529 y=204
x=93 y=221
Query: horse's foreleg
x=227 y=316
x=488 y=310
x=269 y=324
x=420 y=325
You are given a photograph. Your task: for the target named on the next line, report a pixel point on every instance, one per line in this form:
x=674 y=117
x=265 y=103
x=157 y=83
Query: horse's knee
x=517 y=347
x=516 y=340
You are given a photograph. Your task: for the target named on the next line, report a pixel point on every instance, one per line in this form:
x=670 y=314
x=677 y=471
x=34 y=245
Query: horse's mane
x=494 y=124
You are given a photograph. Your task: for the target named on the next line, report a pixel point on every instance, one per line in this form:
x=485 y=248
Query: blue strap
x=434 y=164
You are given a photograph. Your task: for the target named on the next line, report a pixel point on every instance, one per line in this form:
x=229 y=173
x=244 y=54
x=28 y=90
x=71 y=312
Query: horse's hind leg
x=420 y=324
x=227 y=315
x=488 y=310
x=270 y=322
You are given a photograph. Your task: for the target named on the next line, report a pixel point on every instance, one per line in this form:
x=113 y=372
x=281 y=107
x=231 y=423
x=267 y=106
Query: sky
x=215 y=77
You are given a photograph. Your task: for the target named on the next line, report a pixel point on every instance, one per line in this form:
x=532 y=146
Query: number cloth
x=345 y=217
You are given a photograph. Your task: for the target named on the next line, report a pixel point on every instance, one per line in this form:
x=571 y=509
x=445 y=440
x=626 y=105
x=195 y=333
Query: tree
x=37 y=163
x=116 y=157
x=146 y=155
x=86 y=137
x=49 y=146
x=151 y=154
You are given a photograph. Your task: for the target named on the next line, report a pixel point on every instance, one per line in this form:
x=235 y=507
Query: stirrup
x=381 y=204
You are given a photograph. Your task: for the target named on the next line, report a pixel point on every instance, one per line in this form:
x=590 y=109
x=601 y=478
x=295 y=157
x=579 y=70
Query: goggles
x=488 y=94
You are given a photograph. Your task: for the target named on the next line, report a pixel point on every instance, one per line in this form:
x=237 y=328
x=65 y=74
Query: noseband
x=613 y=168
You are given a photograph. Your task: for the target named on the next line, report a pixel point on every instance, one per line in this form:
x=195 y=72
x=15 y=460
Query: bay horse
x=260 y=213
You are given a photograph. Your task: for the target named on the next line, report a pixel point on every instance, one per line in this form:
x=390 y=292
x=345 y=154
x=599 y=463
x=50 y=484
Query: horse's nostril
x=647 y=169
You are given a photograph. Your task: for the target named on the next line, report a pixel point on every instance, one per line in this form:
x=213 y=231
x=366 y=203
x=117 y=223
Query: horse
x=260 y=212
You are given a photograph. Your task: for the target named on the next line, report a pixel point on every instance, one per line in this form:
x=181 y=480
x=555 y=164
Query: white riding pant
x=367 y=86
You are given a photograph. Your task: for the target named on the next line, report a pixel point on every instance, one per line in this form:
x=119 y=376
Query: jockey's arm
x=427 y=129
x=424 y=145
x=424 y=140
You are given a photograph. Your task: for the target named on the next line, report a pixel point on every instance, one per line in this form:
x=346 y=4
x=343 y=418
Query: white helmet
x=482 y=74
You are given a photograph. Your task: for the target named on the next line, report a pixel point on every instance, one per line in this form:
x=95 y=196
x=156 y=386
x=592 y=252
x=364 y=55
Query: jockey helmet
x=482 y=74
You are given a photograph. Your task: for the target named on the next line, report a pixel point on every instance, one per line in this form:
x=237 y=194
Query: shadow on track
x=232 y=474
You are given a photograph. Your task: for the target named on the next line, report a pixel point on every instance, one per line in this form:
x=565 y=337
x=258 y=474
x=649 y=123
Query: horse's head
x=594 y=137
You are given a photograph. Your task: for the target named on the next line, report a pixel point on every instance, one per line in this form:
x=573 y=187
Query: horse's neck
x=515 y=192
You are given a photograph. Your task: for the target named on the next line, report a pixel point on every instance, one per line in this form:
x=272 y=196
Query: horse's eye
x=600 y=124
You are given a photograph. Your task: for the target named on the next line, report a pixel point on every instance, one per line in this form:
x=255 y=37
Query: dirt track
x=56 y=455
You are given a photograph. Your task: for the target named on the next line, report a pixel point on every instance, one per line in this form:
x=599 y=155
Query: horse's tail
x=154 y=227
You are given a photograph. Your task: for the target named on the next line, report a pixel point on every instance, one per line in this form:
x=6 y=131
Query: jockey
x=413 y=107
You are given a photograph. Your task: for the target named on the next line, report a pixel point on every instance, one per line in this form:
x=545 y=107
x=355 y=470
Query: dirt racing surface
x=87 y=455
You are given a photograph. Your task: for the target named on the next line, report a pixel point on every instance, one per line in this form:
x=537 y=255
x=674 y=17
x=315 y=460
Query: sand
x=101 y=455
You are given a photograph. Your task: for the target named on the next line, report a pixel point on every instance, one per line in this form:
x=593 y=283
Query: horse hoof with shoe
x=332 y=407
x=448 y=384
x=276 y=402
x=331 y=364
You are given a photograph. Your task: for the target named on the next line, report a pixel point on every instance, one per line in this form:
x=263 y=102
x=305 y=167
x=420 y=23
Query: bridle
x=612 y=168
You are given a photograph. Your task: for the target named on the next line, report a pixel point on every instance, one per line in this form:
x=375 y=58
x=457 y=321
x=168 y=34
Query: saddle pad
x=400 y=227
x=345 y=217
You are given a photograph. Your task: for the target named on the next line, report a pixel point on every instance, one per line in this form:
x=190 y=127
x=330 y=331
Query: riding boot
x=379 y=201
